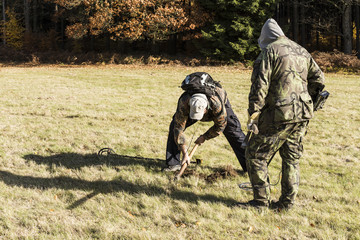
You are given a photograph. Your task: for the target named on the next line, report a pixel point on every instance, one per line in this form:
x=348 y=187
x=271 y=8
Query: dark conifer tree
x=235 y=28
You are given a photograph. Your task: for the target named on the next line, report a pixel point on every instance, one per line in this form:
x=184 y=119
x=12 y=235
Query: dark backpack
x=200 y=82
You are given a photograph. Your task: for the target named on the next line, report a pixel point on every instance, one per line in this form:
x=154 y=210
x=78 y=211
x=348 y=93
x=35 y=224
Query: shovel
x=184 y=166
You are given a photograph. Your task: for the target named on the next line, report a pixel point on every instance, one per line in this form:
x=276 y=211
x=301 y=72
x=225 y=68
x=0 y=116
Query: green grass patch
x=53 y=186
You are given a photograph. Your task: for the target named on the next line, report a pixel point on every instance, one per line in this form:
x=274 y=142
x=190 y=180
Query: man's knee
x=291 y=155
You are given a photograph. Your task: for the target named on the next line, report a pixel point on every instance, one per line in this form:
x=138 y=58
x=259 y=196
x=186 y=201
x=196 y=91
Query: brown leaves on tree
x=133 y=19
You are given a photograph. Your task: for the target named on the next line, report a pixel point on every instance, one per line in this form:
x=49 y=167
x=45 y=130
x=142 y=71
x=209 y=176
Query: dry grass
x=54 y=119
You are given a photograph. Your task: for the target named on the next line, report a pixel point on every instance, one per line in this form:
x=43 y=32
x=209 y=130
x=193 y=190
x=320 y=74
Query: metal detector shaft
x=184 y=166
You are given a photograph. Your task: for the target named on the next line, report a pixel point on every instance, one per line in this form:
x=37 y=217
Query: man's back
x=283 y=70
x=290 y=64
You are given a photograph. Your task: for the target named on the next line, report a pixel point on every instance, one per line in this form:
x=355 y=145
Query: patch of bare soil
x=220 y=173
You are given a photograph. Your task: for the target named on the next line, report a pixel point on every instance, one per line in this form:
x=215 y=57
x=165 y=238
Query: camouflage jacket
x=284 y=80
x=216 y=113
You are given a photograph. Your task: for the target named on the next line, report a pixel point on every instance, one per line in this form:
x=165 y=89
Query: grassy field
x=53 y=186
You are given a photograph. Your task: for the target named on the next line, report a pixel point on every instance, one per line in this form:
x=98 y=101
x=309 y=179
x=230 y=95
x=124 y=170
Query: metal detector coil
x=106 y=152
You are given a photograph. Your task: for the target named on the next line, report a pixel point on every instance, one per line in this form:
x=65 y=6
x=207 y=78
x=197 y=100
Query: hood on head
x=269 y=33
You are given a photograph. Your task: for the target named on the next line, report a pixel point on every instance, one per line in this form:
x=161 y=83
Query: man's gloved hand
x=252 y=124
x=200 y=140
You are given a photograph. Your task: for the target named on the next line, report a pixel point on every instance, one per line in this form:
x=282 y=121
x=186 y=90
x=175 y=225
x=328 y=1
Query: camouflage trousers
x=285 y=138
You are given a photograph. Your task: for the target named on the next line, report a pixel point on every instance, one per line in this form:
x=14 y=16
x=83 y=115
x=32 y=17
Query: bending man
x=198 y=107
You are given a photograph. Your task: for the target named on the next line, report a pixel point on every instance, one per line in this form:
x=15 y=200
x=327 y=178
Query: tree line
x=218 y=29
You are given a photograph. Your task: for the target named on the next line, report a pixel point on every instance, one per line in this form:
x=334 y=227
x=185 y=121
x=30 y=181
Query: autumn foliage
x=13 y=30
x=205 y=30
x=133 y=20
x=337 y=61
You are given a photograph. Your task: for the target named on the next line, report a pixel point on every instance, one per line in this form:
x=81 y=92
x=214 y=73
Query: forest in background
x=215 y=30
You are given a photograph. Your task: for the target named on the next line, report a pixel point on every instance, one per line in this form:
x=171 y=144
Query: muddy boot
x=253 y=204
x=171 y=168
x=281 y=206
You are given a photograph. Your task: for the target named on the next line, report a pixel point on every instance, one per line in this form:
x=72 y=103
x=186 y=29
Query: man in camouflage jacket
x=285 y=80
x=225 y=121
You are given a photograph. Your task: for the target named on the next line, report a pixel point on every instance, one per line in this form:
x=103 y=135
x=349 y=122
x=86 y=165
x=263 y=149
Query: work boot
x=171 y=168
x=253 y=204
x=281 y=206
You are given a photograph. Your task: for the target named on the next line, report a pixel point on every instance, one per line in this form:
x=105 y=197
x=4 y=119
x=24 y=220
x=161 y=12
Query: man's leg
x=172 y=150
x=290 y=152
x=235 y=135
x=258 y=169
x=260 y=149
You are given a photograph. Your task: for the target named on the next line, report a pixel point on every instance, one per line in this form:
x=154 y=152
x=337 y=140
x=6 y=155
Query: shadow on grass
x=104 y=187
x=75 y=160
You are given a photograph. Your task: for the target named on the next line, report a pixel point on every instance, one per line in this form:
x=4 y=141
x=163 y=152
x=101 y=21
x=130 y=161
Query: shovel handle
x=184 y=166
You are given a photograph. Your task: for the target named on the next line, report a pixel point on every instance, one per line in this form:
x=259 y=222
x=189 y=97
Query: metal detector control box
x=320 y=100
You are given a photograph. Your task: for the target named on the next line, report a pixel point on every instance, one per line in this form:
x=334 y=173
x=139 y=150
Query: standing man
x=285 y=82
x=200 y=107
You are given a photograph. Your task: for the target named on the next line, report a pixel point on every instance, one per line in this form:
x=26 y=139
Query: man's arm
x=260 y=82
x=180 y=119
x=315 y=79
x=220 y=119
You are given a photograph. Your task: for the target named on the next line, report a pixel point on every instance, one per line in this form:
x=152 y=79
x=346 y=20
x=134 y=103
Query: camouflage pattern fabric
x=284 y=78
x=285 y=138
x=216 y=113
